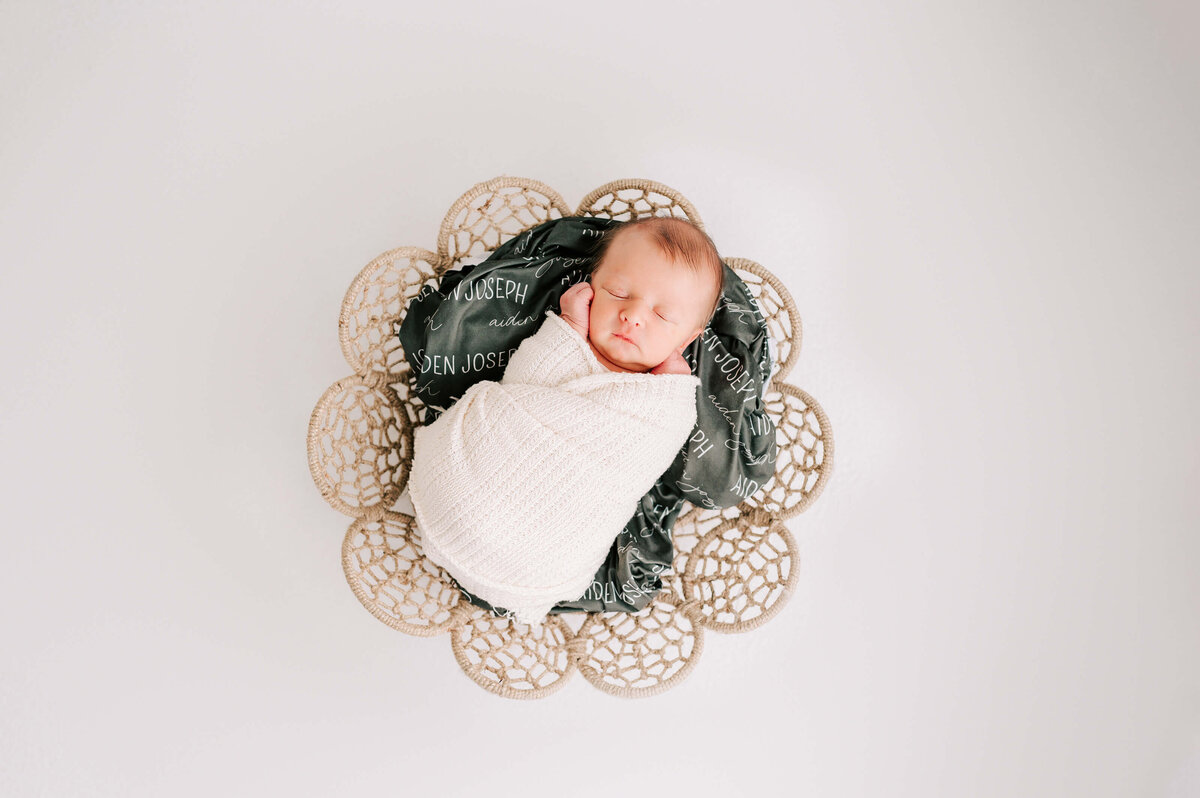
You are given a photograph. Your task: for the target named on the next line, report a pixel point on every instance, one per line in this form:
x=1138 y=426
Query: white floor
x=987 y=217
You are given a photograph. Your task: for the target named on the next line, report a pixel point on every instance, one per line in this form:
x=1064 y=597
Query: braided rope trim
x=789 y=330
x=727 y=599
x=590 y=205
x=510 y=206
x=782 y=498
x=637 y=655
x=375 y=302
x=510 y=659
x=360 y=460
x=392 y=578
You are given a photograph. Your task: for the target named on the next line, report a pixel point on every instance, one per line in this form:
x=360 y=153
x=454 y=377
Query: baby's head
x=656 y=282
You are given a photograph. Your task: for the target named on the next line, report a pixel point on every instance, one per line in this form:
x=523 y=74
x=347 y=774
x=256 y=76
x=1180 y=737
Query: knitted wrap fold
x=522 y=485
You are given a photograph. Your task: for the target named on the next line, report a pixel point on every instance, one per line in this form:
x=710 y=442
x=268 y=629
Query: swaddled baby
x=522 y=485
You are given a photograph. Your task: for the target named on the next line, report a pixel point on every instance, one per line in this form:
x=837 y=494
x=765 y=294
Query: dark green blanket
x=466 y=329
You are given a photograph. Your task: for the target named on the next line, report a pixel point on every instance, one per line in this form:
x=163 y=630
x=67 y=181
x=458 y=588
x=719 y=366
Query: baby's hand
x=675 y=364
x=575 y=307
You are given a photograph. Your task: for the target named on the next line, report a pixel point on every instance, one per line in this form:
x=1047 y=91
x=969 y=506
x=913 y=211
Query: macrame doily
x=734 y=568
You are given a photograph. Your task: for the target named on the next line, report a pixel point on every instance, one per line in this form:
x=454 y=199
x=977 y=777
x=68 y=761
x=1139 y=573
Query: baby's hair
x=678 y=239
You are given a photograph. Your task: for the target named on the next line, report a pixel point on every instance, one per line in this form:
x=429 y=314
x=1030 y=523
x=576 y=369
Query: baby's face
x=645 y=306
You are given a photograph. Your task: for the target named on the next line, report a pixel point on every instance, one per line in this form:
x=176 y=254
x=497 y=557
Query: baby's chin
x=621 y=359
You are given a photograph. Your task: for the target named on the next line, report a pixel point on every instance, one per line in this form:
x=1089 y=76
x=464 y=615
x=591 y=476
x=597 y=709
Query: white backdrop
x=985 y=212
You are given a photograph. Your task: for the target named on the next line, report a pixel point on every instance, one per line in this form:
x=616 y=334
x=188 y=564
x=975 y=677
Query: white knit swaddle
x=522 y=485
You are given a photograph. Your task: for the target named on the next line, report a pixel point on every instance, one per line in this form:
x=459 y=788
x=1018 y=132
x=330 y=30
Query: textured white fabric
x=522 y=485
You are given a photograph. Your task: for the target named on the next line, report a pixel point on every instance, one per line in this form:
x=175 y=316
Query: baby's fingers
x=585 y=291
x=577 y=299
x=675 y=364
x=569 y=295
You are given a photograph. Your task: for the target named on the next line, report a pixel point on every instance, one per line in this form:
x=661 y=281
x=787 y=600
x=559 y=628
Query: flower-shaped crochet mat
x=734 y=568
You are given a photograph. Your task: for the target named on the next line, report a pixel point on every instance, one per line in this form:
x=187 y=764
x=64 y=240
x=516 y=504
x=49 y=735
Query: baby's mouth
x=623 y=338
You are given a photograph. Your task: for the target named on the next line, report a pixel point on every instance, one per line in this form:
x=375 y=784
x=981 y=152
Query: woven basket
x=733 y=569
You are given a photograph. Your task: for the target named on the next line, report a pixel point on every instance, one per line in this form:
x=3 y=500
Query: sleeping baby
x=521 y=486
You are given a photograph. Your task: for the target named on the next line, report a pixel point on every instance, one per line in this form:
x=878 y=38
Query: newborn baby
x=521 y=486
x=643 y=306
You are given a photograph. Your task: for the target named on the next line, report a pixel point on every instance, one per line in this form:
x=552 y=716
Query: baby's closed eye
x=656 y=312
